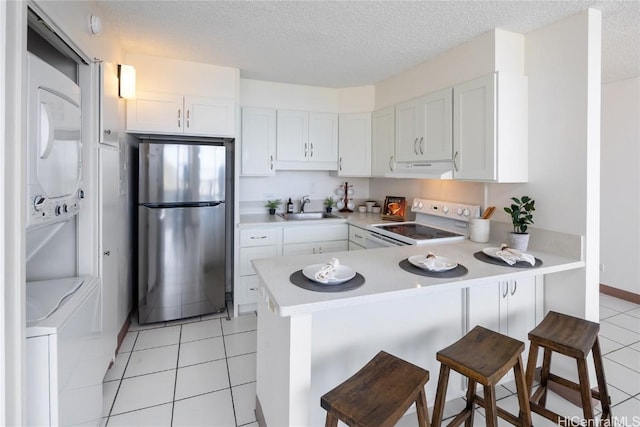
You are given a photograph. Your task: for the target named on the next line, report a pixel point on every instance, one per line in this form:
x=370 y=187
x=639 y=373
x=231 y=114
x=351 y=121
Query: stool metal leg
x=441 y=394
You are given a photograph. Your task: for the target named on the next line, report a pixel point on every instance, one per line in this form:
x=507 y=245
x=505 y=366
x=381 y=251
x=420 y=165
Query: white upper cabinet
x=169 y=113
x=354 y=144
x=424 y=128
x=383 y=141
x=258 y=141
x=306 y=140
x=490 y=129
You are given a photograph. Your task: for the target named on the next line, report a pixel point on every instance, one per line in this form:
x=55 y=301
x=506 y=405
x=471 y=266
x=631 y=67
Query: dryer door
x=59 y=144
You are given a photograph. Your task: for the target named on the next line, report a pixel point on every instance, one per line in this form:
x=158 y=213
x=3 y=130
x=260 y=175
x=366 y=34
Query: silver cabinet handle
x=258 y=237
x=253 y=289
x=188 y=117
x=271 y=160
x=421 y=145
x=314 y=250
x=415 y=146
x=107 y=253
x=455 y=161
x=340 y=164
x=515 y=287
x=179 y=117
x=107 y=131
x=358 y=236
x=320 y=250
x=305 y=150
x=311 y=149
x=506 y=289
x=391 y=163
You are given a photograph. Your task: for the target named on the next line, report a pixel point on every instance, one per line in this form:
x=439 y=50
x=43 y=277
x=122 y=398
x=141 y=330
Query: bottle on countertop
x=289 y=206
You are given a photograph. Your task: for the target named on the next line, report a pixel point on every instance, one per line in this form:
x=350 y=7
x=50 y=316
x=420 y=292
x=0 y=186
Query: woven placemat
x=481 y=256
x=300 y=280
x=459 y=271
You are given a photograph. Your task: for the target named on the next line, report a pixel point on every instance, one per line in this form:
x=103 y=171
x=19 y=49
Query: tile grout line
x=175 y=381
x=120 y=381
x=226 y=362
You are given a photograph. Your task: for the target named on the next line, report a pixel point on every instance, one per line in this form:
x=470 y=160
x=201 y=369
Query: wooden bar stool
x=378 y=394
x=484 y=357
x=572 y=337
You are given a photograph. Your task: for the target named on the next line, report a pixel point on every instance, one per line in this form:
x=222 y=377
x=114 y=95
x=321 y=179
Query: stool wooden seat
x=575 y=338
x=483 y=356
x=378 y=394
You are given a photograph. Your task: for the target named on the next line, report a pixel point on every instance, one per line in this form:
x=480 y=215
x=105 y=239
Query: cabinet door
x=435 y=126
x=383 y=139
x=258 y=141
x=209 y=116
x=292 y=140
x=299 y=249
x=521 y=308
x=483 y=306
x=323 y=137
x=246 y=290
x=354 y=144
x=248 y=254
x=474 y=122
x=155 y=112
x=406 y=132
x=332 y=246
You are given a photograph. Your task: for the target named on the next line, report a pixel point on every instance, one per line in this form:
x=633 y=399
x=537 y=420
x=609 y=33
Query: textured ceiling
x=347 y=43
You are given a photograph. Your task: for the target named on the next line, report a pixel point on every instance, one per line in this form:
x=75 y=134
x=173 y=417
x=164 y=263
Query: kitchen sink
x=300 y=216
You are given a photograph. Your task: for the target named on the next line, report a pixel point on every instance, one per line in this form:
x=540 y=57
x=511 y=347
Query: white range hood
x=425 y=170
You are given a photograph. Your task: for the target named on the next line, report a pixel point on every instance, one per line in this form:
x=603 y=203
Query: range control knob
x=420 y=205
x=459 y=211
x=38 y=202
x=466 y=212
x=415 y=203
x=81 y=194
x=445 y=209
x=57 y=210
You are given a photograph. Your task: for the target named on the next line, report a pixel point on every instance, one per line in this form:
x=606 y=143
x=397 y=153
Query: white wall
x=563 y=66
x=620 y=183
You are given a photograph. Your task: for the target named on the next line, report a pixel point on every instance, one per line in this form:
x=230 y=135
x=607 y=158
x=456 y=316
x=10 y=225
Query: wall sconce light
x=127 y=81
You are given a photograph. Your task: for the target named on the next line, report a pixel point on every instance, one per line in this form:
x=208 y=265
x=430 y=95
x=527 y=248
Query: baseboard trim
x=123 y=332
x=260 y=414
x=619 y=293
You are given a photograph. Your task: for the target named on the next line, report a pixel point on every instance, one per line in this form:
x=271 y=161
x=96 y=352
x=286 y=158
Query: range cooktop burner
x=418 y=231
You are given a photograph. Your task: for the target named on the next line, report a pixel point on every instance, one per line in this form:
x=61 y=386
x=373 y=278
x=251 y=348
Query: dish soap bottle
x=289 y=206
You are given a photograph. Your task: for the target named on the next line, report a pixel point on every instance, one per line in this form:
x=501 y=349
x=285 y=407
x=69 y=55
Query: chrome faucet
x=304 y=201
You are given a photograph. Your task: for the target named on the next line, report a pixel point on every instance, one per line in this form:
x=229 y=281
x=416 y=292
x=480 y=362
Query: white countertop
x=384 y=279
x=354 y=218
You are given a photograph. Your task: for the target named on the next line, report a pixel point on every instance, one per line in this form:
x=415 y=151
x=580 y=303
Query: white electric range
x=436 y=222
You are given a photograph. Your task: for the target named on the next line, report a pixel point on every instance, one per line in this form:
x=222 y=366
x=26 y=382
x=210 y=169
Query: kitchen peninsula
x=308 y=342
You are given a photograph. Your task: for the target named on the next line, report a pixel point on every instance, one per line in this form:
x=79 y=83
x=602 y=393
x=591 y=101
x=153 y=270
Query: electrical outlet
x=268 y=196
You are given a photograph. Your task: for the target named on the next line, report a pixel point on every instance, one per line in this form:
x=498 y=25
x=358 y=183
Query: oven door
x=376 y=240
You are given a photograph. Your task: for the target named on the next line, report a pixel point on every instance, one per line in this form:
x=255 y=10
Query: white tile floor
x=202 y=372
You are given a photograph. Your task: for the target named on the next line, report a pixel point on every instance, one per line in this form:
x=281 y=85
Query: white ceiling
x=348 y=43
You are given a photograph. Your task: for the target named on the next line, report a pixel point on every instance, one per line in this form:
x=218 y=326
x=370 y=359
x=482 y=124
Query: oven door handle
x=387 y=241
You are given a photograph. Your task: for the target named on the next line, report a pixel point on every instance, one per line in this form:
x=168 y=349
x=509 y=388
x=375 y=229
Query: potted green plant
x=329 y=203
x=521 y=216
x=272 y=205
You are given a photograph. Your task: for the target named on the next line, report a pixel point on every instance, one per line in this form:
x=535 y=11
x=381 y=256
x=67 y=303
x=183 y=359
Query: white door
x=435 y=125
x=209 y=116
x=474 y=120
x=155 y=112
x=354 y=144
x=406 y=131
x=383 y=138
x=258 y=141
x=323 y=137
x=292 y=140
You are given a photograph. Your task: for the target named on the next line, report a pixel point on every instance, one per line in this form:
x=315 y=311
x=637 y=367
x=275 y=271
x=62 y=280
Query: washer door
x=58 y=164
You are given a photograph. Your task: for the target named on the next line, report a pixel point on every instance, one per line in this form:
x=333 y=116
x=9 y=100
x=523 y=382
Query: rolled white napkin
x=328 y=271
x=433 y=263
x=511 y=256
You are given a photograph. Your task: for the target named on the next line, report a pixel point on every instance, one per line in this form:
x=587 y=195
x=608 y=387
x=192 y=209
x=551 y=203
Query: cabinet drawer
x=248 y=254
x=315 y=248
x=258 y=237
x=246 y=290
x=358 y=235
x=318 y=233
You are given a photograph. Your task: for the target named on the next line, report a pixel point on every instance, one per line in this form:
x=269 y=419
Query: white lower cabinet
x=357 y=238
x=254 y=243
x=316 y=239
x=511 y=307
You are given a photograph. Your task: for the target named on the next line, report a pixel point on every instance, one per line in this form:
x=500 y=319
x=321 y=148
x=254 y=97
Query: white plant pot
x=519 y=241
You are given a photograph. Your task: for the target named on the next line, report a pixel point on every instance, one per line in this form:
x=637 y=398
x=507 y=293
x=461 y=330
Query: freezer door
x=181 y=262
x=177 y=173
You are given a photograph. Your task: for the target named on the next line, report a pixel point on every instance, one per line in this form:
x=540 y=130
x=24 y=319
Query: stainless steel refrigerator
x=182 y=242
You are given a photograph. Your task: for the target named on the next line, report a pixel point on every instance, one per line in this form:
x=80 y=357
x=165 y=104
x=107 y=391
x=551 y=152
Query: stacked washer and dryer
x=65 y=360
